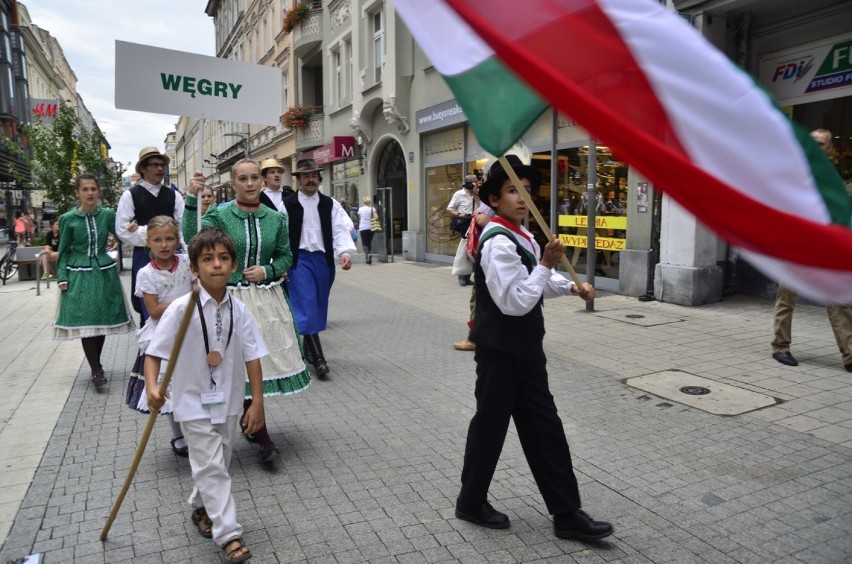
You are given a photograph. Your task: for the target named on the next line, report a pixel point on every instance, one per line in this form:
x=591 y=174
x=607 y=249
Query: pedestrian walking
x=263 y=257
x=92 y=303
x=839 y=315
x=221 y=344
x=512 y=277
x=159 y=283
x=366 y=214
x=320 y=236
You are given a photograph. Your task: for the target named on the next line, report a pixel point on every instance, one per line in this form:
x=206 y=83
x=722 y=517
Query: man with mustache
x=319 y=237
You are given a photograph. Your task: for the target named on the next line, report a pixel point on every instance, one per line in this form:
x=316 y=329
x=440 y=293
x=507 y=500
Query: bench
x=27 y=260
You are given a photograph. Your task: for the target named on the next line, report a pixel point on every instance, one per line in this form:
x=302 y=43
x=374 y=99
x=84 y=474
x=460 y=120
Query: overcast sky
x=87 y=30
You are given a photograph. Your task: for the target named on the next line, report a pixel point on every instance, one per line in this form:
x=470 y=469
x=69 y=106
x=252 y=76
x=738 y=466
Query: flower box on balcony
x=297 y=117
x=294 y=16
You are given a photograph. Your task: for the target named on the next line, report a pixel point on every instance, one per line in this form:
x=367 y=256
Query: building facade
x=383 y=124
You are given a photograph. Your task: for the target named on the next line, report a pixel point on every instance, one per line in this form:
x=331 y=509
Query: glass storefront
x=836 y=116
x=345 y=176
x=443 y=152
x=446 y=164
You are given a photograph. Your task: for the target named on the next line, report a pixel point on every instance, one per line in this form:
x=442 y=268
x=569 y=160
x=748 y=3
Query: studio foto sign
x=151 y=79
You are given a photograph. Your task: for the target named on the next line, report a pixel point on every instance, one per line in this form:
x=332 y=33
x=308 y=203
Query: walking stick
x=143 y=442
x=537 y=215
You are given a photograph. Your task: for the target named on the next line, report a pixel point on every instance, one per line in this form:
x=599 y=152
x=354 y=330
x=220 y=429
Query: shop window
x=441 y=183
x=572 y=205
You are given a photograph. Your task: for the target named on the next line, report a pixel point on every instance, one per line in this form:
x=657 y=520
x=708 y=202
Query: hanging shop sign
x=818 y=71
x=151 y=79
x=340 y=149
x=44 y=109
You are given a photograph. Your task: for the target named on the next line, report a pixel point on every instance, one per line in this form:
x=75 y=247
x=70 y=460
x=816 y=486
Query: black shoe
x=848 y=367
x=485 y=516
x=786 y=357
x=98 y=379
x=268 y=455
x=313 y=349
x=579 y=525
x=180 y=451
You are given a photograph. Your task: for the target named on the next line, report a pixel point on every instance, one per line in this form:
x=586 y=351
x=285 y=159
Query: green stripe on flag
x=499 y=107
x=826 y=177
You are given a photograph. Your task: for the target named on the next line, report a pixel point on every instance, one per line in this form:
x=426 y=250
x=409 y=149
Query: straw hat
x=266 y=164
x=146 y=154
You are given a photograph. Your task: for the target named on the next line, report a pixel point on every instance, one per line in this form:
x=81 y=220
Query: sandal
x=203 y=522
x=237 y=545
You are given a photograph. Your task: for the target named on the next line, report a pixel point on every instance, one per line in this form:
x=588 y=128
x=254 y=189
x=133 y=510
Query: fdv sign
x=800 y=75
x=151 y=79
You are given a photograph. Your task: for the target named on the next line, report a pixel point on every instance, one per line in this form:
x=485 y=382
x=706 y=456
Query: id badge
x=212 y=399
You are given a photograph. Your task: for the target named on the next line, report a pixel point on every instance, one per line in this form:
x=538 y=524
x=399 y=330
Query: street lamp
x=245 y=136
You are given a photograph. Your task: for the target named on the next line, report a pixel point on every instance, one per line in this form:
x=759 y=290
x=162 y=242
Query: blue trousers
x=309 y=287
x=141 y=257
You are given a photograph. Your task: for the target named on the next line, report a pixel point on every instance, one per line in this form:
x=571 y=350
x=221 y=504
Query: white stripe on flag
x=449 y=43
x=726 y=125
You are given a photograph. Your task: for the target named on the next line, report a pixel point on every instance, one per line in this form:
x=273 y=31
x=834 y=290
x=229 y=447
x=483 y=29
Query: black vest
x=493 y=328
x=296 y=216
x=146 y=206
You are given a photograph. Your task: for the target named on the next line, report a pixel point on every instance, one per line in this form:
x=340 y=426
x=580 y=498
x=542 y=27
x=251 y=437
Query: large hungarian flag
x=642 y=81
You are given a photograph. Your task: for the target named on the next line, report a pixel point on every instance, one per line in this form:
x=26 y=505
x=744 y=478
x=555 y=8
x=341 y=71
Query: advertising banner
x=152 y=79
x=820 y=71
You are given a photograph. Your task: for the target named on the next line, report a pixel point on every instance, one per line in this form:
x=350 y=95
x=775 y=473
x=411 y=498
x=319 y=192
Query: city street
x=371 y=458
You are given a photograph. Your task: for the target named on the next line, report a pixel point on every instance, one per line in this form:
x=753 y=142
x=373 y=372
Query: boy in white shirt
x=221 y=345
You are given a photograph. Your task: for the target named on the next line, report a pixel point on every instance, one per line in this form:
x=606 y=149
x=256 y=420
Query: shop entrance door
x=391 y=196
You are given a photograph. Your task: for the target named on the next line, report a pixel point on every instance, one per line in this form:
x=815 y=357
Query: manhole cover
x=634 y=316
x=695 y=390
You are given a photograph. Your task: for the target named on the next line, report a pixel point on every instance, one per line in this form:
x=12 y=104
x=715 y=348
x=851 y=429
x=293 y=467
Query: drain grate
x=695 y=390
x=634 y=316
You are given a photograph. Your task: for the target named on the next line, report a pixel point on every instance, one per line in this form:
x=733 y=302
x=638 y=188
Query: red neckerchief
x=514 y=229
x=247 y=204
x=172 y=268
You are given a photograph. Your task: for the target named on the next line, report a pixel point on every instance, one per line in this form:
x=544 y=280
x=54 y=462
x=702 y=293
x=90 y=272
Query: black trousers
x=510 y=386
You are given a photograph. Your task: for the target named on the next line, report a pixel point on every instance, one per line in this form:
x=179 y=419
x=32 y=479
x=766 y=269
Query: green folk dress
x=94 y=303
x=261 y=238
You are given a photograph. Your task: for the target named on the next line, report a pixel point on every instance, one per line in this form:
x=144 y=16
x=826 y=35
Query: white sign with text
x=163 y=81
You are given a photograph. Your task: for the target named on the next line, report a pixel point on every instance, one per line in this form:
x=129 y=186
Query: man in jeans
x=840 y=316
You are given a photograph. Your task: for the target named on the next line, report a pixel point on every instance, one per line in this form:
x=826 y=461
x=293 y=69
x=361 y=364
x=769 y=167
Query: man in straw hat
x=146 y=199
x=319 y=237
x=274 y=193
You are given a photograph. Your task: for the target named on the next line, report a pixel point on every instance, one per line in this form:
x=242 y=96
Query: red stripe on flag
x=617 y=110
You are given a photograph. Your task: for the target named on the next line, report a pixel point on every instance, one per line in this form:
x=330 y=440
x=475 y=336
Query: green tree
x=61 y=151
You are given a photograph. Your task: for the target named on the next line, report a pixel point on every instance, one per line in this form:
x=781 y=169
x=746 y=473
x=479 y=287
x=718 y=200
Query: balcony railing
x=313 y=135
x=308 y=33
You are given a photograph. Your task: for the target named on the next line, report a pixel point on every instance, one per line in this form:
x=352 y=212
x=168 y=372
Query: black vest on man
x=296 y=216
x=146 y=206
x=494 y=329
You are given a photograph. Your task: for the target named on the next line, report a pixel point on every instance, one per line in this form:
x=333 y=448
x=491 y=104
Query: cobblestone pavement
x=371 y=458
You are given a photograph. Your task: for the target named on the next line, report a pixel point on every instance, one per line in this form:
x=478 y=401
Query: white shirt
x=462 y=202
x=514 y=290
x=365 y=216
x=192 y=375
x=277 y=197
x=126 y=213
x=341 y=227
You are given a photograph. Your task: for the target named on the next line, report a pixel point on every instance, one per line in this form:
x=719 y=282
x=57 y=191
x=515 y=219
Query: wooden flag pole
x=513 y=176
x=143 y=442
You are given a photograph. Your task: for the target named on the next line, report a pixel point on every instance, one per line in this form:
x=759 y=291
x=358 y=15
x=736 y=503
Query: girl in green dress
x=263 y=257
x=92 y=304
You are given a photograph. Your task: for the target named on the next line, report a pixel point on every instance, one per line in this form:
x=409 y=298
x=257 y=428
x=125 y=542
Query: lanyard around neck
x=219 y=331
